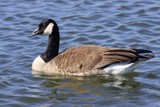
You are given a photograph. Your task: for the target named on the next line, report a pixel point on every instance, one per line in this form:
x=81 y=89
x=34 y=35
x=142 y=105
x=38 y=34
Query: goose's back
x=89 y=59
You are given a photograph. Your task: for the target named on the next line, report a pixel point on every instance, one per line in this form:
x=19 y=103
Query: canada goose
x=84 y=60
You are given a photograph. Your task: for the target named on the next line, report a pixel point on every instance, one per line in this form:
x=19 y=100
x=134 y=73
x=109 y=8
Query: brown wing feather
x=116 y=55
x=88 y=57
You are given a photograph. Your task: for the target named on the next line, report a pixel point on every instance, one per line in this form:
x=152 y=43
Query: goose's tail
x=144 y=54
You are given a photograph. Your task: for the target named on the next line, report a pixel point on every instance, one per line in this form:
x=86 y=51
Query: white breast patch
x=38 y=64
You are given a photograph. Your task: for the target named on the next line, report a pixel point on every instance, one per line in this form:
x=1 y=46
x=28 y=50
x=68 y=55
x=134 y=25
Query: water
x=112 y=23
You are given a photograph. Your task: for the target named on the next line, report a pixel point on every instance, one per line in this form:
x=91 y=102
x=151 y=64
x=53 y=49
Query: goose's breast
x=38 y=64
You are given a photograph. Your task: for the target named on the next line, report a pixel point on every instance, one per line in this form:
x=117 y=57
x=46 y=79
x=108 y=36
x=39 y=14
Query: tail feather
x=144 y=54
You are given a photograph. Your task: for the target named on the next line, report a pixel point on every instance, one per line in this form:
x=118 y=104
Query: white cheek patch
x=49 y=29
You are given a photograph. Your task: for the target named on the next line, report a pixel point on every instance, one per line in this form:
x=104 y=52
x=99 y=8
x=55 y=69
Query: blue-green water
x=112 y=23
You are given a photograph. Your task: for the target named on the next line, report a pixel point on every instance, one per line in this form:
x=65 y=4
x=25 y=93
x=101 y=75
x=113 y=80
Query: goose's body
x=84 y=60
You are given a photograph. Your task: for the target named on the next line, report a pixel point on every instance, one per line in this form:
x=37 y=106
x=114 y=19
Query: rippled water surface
x=112 y=23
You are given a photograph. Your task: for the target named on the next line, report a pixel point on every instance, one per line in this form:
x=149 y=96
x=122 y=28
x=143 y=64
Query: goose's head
x=45 y=27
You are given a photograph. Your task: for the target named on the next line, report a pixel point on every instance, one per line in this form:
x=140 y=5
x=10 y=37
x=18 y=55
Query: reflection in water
x=98 y=85
x=124 y=81
x=89 y=91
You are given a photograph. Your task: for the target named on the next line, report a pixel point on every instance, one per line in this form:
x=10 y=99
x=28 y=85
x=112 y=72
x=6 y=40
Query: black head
x=45 y=27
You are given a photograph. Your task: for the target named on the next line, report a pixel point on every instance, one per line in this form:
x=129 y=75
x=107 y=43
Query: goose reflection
x=96 y=85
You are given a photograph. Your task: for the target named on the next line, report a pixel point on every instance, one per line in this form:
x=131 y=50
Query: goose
x=85 y=60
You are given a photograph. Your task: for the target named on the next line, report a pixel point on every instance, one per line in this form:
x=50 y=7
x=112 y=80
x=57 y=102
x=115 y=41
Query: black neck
x=53 y=45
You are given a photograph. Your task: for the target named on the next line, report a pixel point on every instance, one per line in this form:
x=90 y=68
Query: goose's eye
x=40 y=25
x=46 y=24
